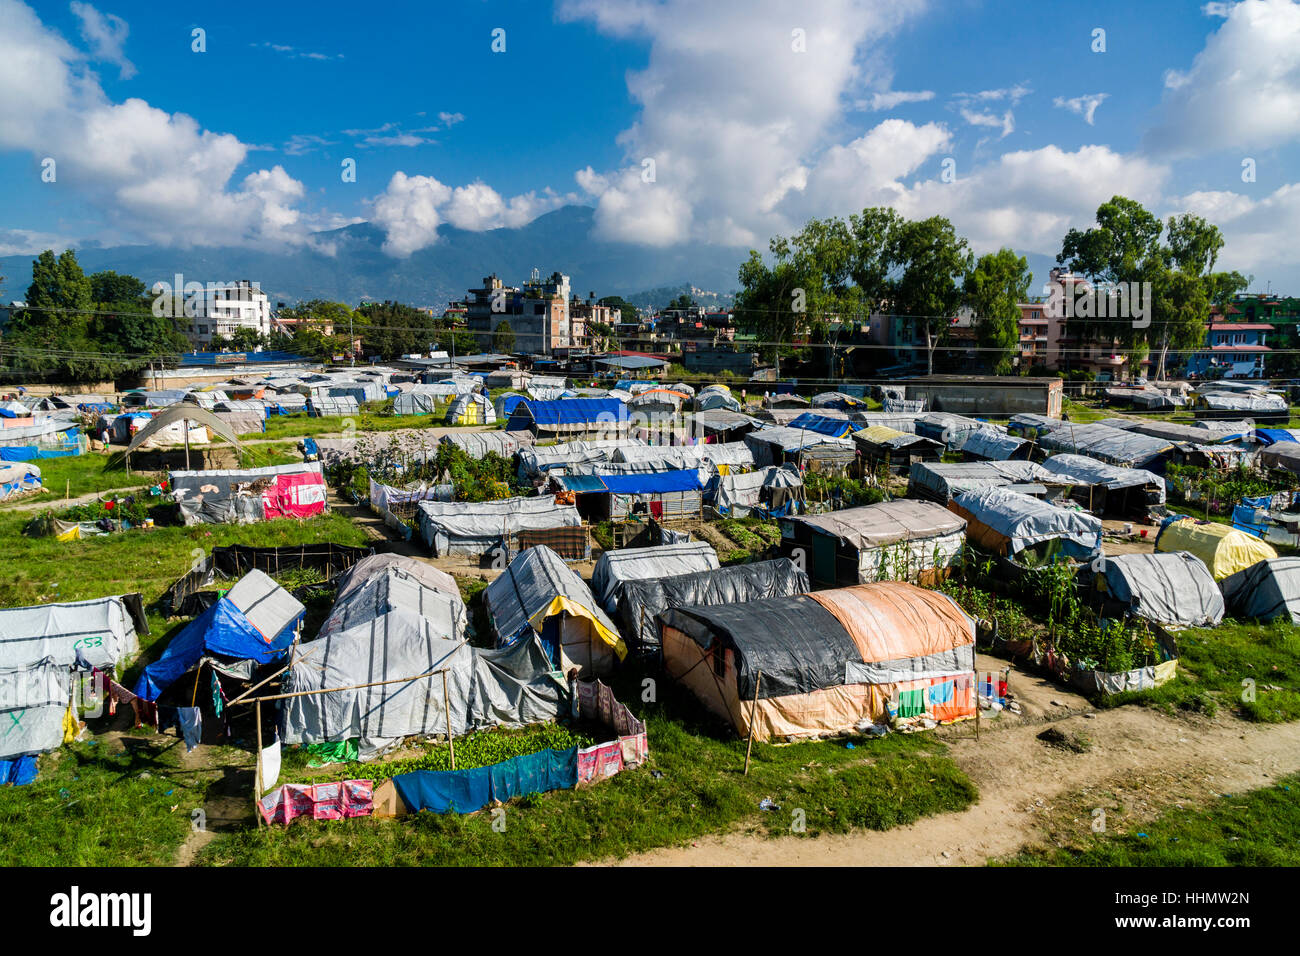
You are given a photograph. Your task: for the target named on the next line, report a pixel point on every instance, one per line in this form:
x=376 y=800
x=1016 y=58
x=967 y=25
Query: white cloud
x=730 y=114
x=1259 y=234
x=106 y=33
x=154 y=175
x=1014 y=94
x=1085 y=106
x=1242 y=90
x=294 y=53
x=867 y=171
x=1029 y=199
x=411 y=209
x=408 y=212
x=451 y=119
x=1006 y=122
x=892 y=98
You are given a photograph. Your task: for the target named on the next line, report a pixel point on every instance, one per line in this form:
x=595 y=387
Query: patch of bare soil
x=1132 y=762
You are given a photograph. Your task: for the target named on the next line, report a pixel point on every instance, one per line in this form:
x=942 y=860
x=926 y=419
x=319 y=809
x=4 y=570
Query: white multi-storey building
x=223 y=308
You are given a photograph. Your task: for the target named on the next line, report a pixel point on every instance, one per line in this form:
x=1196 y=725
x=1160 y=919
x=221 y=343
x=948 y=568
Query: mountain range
x=359 y=270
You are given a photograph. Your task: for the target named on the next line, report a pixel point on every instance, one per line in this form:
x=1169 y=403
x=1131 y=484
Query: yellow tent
x=878 y=433
x=1223 y=548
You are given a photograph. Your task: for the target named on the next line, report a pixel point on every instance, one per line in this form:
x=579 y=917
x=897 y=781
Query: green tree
x=683 y=301
x=503 y=338
x=627 y=311
x=109 y=286
x=994 y=289
x=934 y=262
x=50 y=337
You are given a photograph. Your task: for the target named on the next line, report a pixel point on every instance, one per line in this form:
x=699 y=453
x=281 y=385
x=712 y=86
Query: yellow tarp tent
x=1223 y=548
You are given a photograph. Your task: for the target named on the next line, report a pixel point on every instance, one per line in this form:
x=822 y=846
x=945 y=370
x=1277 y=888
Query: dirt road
x=1137 y=763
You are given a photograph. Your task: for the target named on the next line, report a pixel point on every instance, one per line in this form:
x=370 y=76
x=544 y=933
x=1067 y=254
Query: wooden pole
x=977 y=701
x=753 y=710
x=446 y=703
x=257 y=776
x=185 y=424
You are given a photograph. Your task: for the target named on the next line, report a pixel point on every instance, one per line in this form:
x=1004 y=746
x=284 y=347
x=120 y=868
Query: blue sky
x=749 y=135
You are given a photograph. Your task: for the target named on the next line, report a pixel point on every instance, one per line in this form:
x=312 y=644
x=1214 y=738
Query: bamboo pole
x=753 y=710
x=257 y=775
x=446 y=703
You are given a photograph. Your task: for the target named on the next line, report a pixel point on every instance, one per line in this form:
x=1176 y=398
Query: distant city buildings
x=537 y=312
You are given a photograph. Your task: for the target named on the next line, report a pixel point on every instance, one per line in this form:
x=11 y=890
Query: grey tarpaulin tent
x=38 y=648
x=478 y=444
x=462 y=527
x=773 y=490
x=1265 y=590
x=1176 y=589
x=539 y=594
x=247 y=495
x=1008 y=523
x=390 y=588
x=941 y=481
x=357 y=575
x=633 y=564
x=1113 y=445
x=1147 y=487
x=639 y=601
x=513 y=686
x=890 y=539
x=990 y=445
x=104 y=630
x=182 y=411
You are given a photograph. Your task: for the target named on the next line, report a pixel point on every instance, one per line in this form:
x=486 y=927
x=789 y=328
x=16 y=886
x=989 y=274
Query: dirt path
x=1137 y=763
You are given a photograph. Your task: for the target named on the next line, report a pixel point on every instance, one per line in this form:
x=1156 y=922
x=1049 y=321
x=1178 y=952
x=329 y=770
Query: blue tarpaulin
x=569 y=411
x=221 y=629
x=19 y=771
x=1271 y=436
x=464 y=791
x=835 y=427
x=654 y=483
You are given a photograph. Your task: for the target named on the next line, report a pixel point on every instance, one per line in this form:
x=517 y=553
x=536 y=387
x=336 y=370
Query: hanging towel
x=191 y=726
x=270 y=765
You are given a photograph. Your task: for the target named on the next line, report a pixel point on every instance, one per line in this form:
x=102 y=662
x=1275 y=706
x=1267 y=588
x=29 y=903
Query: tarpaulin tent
x=506 y=404
x=641 y=600
x=537 y=461
x=478 y=444
x=1113 y=445
x=103 y=630
x=35 y=702
x=244 y=496
x=634 y=564
x=834 y=427
x=366 y=568
x=661 y=494
x=538 y=594
x=942 y=481
x=716 y=397
x=880 y=444
x=769 y=492
x=476 y=527
x=1032 y=425
x=1271 y=436
x=1111 y=489
x=424 y=402
x=18 y=478
x=570 y=417
x=1281 y=456
x=1174 y=589
x=1265 y=590
x=319 y=406
x=723 y=424
x=256 y=620
x=837 y=400
x=511 y=686
x=900 y=539
x=1011 y=524
x=1223 y=548
x=377 y=589
x=141 y=398
x=775 y=445
x=473 y=408
x=990 y=445
x=832 y=661
x=172 y=424
x=947 y=428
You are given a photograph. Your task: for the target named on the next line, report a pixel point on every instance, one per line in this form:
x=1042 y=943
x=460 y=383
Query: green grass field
x=1257 y=828
x=1216 y=666
x=699 y=789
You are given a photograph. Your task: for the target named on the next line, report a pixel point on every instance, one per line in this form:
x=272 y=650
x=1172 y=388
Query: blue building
x=1233 y=348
